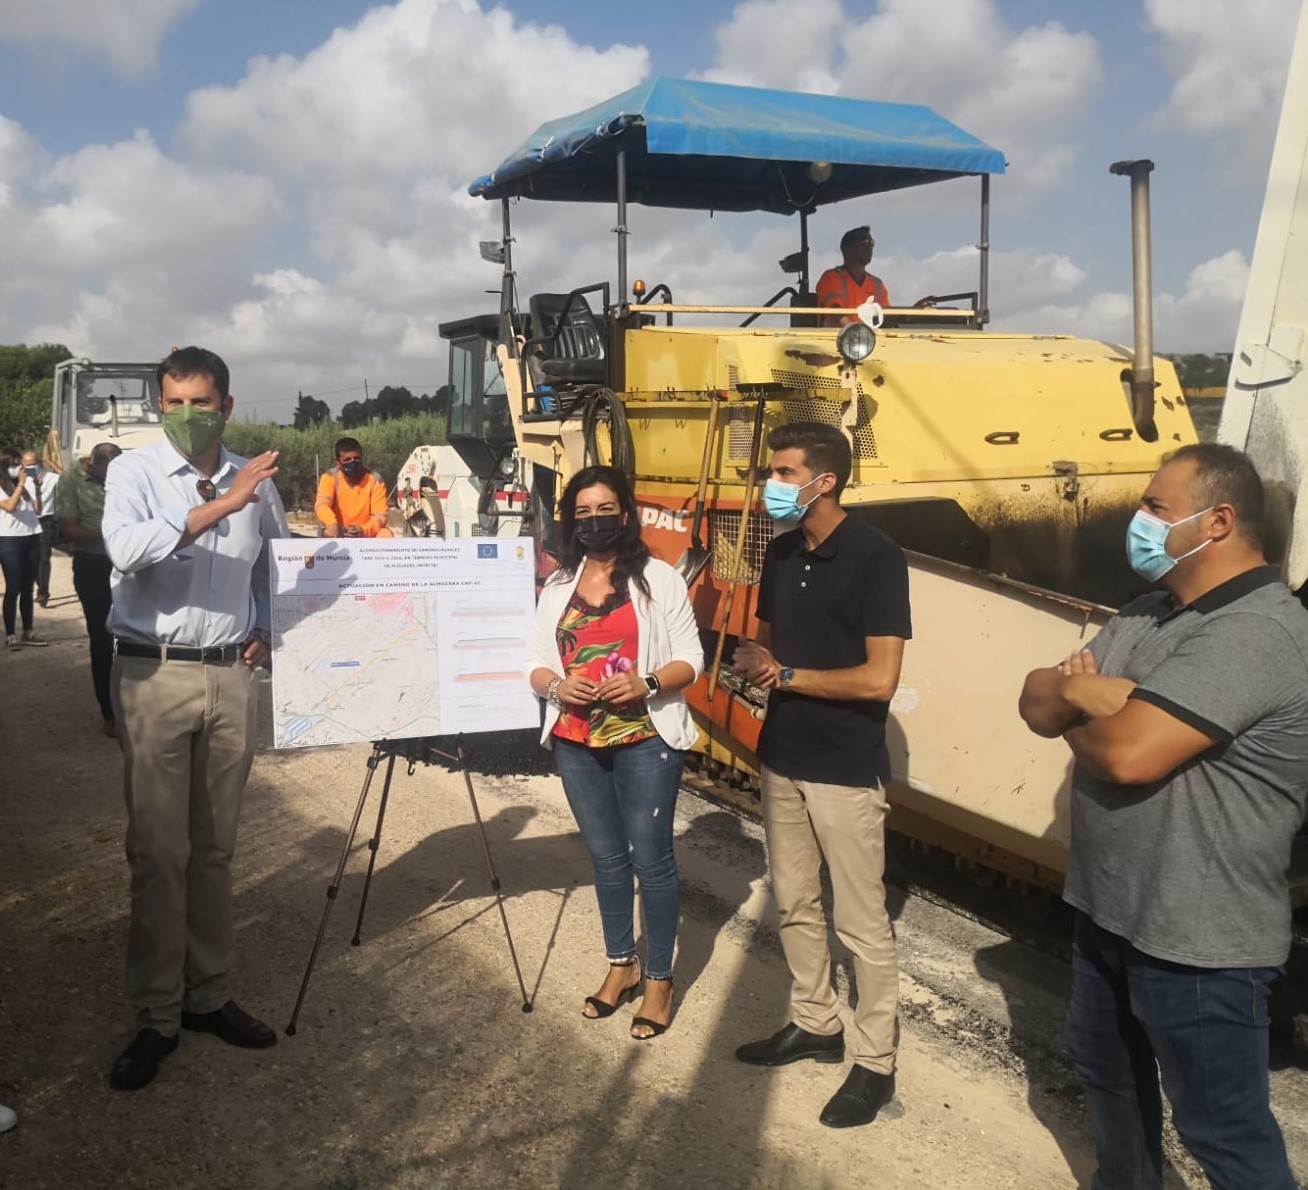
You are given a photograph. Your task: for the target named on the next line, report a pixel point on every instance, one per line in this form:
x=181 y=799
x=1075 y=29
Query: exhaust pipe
x=1140 y=378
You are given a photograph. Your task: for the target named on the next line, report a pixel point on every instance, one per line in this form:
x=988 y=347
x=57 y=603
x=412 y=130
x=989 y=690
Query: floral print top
x=599 y=642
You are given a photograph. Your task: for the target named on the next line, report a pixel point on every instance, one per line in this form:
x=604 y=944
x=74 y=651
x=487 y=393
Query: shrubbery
x=25 y=375
x=305 y=454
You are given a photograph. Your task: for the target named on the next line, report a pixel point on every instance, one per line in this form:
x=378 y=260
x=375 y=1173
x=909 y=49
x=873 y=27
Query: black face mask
x=599 y=534
x=352 y=470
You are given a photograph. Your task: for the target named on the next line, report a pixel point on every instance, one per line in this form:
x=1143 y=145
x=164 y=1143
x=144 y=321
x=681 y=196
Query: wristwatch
x=652 y=684
x=785 y=675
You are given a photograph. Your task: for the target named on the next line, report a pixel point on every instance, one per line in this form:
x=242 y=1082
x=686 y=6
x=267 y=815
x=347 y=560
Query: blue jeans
x=624 y=800
x=1133 y=1016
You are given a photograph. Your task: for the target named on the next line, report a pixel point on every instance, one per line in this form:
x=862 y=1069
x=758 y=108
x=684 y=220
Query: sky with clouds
x=286 y=182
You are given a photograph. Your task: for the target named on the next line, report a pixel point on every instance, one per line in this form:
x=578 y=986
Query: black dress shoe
x=139 y=1062
x=863 y=1094
x=232 y=1024
x=791 y=1044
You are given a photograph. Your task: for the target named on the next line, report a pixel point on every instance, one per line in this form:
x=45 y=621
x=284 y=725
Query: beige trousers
x=806 y=821
x=187 y=732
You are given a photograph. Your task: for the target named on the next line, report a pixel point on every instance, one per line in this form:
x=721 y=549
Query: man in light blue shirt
x=187 y=526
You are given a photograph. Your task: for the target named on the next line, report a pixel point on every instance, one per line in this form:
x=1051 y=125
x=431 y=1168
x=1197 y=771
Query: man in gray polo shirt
x=1188 y=721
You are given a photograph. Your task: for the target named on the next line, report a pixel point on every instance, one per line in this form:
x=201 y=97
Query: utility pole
x=367 y=401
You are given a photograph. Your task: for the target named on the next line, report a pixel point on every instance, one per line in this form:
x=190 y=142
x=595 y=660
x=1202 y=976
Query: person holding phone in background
x=20 y=543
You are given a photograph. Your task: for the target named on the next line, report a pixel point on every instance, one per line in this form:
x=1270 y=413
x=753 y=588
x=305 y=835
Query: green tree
x=26 y=375
x=1196 y=371
x=386 y=446
x=309 y=411
x=393 y=402
x=355 y=414
x=438 y=403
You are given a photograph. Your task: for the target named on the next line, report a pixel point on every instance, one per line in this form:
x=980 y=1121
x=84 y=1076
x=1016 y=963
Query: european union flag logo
x=488 y=550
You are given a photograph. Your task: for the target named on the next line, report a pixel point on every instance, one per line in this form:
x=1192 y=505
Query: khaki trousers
x=806 y=821
x=187 y=732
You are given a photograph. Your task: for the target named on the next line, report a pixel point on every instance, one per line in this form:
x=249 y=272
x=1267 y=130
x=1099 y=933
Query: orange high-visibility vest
x=837 y=287
x=347 y=504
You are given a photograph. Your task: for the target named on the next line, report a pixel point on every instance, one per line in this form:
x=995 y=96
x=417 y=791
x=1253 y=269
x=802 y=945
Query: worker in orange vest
x=351 y=499
x=850 y=285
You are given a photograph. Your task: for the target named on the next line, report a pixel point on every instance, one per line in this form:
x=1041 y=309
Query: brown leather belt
x=214 y=655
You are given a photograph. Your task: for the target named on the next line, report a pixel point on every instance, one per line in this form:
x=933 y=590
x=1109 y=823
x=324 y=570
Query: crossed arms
x=1113 y=736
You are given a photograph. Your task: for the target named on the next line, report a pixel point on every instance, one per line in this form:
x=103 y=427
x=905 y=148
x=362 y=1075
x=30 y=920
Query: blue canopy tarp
x=709 y=146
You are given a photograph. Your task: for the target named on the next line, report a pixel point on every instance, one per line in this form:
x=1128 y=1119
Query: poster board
x=400 y=638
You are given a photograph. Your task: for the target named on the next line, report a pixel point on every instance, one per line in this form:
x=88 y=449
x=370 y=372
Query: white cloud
x=422 y=87
x=751 y=52
x=313 y=224
x=1227 y=61
x=126 y=33
x=1202 y=318
x=1025 y=91
x=20 y=155
x=105 y=245
x=1019 y=279
x=111 y=206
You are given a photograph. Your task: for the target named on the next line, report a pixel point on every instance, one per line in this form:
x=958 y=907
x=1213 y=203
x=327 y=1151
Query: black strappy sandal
x=602 y=1007
x=655 y=1029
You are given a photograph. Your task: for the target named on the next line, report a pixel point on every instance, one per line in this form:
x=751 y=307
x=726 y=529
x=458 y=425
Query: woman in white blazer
x=614 y=644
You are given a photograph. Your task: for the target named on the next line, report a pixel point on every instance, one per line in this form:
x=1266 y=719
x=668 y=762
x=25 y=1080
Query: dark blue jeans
x=1134 y=1016
x=624 y=799
x=19 y=557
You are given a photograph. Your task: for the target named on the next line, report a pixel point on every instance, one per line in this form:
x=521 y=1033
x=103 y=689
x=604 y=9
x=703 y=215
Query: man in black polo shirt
x=833 y=617
x=1188 y=721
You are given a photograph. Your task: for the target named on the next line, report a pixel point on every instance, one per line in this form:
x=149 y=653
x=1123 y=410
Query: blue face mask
x=781 y=500
x=1146 y=544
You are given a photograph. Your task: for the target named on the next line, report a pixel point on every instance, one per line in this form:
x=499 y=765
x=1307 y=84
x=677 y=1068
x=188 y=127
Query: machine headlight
x=855 y=342
x=508 y=465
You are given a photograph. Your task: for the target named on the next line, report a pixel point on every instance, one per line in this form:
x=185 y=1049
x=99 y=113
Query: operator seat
x=801 y=320
x=576 y=355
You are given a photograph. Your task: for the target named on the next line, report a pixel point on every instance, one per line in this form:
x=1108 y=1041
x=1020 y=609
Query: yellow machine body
x=1014 y=454
x=1006 y=464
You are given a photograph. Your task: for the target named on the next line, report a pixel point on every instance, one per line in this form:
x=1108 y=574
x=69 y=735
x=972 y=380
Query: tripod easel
x=414 y=752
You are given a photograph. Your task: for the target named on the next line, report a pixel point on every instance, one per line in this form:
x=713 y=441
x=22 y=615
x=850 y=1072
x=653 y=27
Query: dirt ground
x=414 y=1065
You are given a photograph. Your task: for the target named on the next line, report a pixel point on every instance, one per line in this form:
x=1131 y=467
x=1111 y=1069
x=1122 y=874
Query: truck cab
x=473 y=486
x=104 y=402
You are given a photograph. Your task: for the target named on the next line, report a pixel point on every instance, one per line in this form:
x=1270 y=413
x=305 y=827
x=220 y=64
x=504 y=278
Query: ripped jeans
x=624 y=799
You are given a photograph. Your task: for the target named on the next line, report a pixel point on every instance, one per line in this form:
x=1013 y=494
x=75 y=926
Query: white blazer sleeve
x=683 y=632
x=543 y=649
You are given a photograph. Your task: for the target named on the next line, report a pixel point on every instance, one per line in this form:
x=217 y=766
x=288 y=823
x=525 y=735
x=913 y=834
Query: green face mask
x=192 y=430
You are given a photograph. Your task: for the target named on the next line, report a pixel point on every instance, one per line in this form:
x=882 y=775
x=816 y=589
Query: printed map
x=394 y=639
